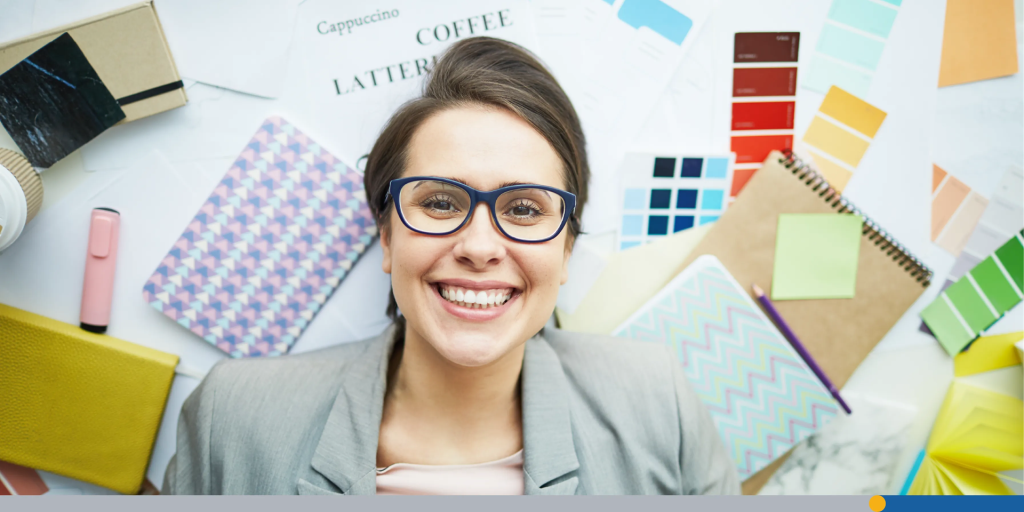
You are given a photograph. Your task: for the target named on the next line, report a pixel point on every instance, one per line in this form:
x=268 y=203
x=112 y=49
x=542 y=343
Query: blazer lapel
x=347 y=451
x=550 y=462
x=346 y=454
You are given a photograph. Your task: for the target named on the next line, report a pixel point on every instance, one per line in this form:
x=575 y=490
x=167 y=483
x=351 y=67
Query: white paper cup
x=21 y=195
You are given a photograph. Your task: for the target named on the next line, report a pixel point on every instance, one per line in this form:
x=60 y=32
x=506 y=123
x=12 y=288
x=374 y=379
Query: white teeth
x=474 y=299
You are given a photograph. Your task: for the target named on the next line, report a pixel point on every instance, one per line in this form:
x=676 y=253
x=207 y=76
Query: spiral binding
x=872 y=230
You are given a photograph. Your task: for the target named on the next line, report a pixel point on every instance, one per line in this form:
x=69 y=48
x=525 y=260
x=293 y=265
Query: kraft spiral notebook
x=268 y=247
x=838 y=333
x=761 y=395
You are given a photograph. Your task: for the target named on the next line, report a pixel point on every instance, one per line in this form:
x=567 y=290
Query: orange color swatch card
x=979 y=42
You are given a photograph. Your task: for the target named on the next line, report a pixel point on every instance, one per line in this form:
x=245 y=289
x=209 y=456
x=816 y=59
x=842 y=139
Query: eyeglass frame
x=475 y=198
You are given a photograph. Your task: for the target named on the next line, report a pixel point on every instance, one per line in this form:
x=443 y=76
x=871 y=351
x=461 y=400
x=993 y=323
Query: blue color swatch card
x=661 y=194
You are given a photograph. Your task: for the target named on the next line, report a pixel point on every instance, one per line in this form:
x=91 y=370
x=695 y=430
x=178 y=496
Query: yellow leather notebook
x=79 y=404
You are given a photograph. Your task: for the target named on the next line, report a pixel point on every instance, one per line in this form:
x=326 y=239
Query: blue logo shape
x=657 y=16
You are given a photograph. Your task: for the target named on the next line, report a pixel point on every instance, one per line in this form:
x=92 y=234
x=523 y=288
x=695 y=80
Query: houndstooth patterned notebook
x=268 y=247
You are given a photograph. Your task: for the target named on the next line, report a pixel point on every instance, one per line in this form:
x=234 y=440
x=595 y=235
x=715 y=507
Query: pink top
x=498 y=477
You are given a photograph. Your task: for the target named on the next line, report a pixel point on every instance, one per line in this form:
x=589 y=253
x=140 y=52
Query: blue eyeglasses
x=440 y=206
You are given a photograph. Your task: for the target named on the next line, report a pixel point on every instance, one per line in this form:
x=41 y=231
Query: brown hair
x=490 y=72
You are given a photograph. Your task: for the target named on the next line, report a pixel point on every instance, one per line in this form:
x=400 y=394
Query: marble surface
x=855 y=454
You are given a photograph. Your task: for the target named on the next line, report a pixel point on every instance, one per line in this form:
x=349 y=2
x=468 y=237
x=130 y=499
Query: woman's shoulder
x=296 y=381
x=305 y=364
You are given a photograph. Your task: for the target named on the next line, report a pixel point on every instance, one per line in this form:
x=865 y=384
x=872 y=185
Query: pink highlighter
x=100 y=261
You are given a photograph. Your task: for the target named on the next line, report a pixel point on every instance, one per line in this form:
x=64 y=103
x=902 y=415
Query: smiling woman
x=477 y=187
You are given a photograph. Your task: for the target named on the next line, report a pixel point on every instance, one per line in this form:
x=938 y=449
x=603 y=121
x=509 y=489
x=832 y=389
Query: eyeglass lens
x=437 y=207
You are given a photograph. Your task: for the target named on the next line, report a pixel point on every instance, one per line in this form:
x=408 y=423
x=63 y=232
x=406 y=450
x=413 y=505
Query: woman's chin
x=471 y=351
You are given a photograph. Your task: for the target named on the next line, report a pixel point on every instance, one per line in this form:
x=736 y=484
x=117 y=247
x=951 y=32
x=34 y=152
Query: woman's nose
x=480 y=244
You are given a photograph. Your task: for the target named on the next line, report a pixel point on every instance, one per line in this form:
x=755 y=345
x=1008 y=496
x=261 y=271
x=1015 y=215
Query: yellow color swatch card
x=840 y=134
x=988 y=353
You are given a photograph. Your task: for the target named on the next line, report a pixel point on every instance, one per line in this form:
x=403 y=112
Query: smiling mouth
x=475 y=299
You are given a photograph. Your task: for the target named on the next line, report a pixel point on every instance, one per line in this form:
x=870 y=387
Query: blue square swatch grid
x=661 y=195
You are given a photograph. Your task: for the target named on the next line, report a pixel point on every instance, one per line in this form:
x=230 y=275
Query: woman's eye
x=439 y=205
x=521 y=211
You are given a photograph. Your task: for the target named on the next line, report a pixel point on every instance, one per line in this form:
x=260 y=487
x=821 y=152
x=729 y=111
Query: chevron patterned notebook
x=268 y=247
x=761 y=395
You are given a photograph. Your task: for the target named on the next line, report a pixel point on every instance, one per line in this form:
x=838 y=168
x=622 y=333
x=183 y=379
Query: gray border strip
x=437 y=503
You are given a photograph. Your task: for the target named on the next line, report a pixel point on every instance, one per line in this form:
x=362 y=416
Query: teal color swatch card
x=851 y=44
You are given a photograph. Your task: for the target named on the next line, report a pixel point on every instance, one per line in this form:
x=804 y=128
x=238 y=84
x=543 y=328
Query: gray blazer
x=601 y=415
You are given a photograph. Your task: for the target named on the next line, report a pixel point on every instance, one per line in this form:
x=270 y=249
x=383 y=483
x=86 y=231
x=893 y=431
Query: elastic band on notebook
x=156 y=91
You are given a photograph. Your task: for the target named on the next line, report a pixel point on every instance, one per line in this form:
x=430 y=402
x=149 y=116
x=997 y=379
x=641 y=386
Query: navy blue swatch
x=53 y=102
x=686 y=199
x=691 y=167
x=682 y=222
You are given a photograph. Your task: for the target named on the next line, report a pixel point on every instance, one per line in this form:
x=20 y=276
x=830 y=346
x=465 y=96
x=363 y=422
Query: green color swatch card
x=816 y=256
x=979 y=298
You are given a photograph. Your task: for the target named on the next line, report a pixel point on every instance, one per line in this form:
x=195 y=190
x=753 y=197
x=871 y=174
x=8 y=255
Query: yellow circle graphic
x=877 y=503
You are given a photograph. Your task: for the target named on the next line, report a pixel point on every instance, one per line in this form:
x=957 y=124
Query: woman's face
x=486 y=148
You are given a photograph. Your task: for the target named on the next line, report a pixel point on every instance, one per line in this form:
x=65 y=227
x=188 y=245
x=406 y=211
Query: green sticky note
x=816 y=256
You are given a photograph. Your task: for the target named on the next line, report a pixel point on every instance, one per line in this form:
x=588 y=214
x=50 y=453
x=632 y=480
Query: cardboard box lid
x=127 y=49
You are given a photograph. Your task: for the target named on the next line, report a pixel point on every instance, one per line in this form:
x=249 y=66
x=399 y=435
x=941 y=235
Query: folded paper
x=977 y=434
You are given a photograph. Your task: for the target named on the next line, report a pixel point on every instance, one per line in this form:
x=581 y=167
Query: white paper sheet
x=167 y=436
x=48 y=14
x=17 y=19
x=358 y=76
x=215 y=123
x=237 y=44
x=558 y=24
x=631 y=51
